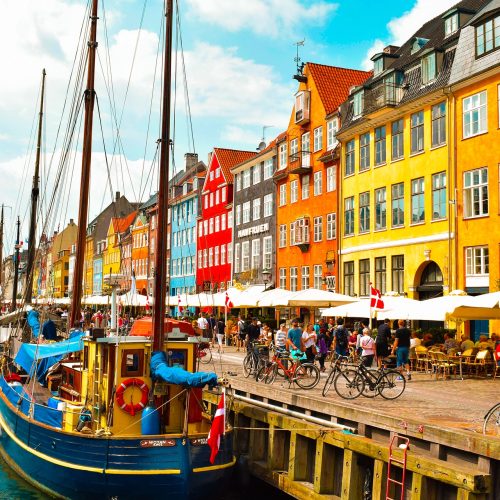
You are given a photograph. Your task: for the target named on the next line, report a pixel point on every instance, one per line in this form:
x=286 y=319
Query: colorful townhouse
x=254 y=218
x=150 y=210
x=59 y=262
x=140 y=252
x=214 y=247
x=475 y=88
x=185 y=207
x=397 y=222
x=307 y=179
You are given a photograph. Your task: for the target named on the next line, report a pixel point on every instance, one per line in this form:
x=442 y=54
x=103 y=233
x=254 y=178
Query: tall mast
x=16 y=266
x=160 y=283
x=85 y=176
x=1 y=254
x=34 y=202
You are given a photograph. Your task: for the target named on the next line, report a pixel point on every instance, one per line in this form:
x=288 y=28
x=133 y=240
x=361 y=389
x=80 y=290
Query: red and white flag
x=147 y=303
x=217 y=429
x=179 y=306
x=229 y=304
x=376 y=301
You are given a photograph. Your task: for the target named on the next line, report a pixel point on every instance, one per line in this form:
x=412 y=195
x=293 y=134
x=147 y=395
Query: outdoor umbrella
x=486 y=306
x=278 y=297
x=313 y=297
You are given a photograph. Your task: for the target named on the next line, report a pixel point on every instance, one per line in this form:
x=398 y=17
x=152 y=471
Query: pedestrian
x=219 y=330
x=202 y=325
x=253 y=332
x=242 y=333
x=295 y=337
x=322 y=346
x=341 y=339
x=280 y=338
x=309 y=340
x=367 y=348
x=402 y=348
x=382 y=341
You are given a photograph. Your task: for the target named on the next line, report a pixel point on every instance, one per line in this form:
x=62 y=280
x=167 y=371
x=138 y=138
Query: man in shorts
x=402 y=348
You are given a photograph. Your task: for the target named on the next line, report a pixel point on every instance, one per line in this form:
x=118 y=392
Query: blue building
x=184 y=205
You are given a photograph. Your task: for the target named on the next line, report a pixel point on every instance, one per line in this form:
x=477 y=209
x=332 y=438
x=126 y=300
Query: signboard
x=157 y=443
x=261 y=228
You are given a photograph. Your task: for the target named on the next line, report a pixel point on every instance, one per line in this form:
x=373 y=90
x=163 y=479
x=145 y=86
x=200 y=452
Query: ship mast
x=160 y=283
x=16 y=266
x=34 y=202
x=85 y=175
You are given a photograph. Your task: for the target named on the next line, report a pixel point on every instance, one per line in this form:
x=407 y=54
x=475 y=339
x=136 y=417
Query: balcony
x=385 y=94
x=300 y=234
x=300 y=163
x=302 y=107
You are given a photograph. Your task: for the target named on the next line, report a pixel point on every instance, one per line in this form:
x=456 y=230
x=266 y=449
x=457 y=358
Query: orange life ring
x=129 y=407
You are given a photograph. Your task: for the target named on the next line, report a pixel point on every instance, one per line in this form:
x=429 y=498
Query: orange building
x=140 y=252
x=307 y=179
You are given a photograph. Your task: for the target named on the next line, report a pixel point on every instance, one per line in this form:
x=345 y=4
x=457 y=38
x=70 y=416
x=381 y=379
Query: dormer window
x=418 y=44
x=378 y=66
x=195 y=184
x=302 y=104
x=184 y=188
x=358 y=103
x=428 y=65
x=488 y=36
x=451 y=24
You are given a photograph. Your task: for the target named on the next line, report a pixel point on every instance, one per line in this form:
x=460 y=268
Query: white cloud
x=378 y=46
x=264 y=17
x=402 y=28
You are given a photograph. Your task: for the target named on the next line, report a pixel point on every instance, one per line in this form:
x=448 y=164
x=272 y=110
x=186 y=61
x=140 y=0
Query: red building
x=215 y=220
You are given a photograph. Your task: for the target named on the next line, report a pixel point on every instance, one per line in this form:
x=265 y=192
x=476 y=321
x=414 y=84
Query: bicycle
x=491 y=426
x=305 y=375
x=254 y=359
x=351 y=383
x=338 y=363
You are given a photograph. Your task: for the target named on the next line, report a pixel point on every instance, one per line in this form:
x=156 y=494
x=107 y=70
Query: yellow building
x=397 y=169
x=58 y=260
x=111 y=256
x=60 y=274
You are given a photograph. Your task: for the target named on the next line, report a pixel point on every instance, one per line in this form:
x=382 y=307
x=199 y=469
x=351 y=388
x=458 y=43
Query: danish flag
x=229 y=304
x=179 y=306
x=376 y=301
x=217 y=429
x=147 y=303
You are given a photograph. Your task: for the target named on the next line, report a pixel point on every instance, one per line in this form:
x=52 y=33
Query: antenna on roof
x=262 y=144
x=300 y=65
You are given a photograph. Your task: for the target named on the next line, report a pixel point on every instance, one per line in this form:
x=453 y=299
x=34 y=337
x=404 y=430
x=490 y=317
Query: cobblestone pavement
x=451 y=403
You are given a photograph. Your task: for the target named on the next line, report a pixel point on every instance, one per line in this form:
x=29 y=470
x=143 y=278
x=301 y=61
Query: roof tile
x=228 y=158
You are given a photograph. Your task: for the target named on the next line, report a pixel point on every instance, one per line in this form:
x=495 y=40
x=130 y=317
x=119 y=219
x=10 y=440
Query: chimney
x=391 y=49
x=117 y=195
x=191 y=159
x=209 y=158
x=71 y=222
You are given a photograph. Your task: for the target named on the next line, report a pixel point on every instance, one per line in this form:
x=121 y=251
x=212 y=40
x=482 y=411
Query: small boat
x=115 y=416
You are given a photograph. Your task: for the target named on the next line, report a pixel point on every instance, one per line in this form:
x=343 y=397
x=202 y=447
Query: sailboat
x=121 y=417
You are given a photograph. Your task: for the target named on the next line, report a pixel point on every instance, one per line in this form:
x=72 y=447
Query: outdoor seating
x=442 y=364
x=422 y=359
x=481 y=364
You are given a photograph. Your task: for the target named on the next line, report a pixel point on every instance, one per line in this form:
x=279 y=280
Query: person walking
x=382 y=341
x=219 y=331
x=322 y=346
x=295 y=337
x=280 y=338
x=402 y=348
x=341 y=339
x=203 y=325
x=309 y=340
x=367 y=345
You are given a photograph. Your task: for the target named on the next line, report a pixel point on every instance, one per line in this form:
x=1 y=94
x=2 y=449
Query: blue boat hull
x=76 y=466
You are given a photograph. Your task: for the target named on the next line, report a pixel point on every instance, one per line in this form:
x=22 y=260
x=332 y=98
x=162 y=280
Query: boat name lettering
x=261 y=228
x=157 y=443
x=199 y=441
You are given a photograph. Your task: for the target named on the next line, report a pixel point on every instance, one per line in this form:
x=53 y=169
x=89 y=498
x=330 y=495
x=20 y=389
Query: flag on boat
x=376 y=301
x=179 y=306
x=147 y=302
x=217 y=429
x=229 y=304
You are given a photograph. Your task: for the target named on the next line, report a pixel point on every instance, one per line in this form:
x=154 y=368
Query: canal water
x=241 y=487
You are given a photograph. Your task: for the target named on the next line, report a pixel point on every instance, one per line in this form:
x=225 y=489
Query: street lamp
x=266 y=277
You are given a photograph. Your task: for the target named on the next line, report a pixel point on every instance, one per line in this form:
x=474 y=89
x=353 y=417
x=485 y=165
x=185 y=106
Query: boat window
x=132 y=362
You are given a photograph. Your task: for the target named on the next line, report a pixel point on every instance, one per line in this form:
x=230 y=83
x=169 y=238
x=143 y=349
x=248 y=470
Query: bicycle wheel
x=306 y=376
x=391 y=384
x=267 y=374
x=205 y=355
x=248 y=365
x=491 y=426
x=371 y=388
x=329 y=381
x=349 y=384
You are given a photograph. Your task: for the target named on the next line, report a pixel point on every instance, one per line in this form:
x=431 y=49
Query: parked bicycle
x=491 y=426
x=352 y=382
x=338 y=363
x=305 y=375
x=256 y=357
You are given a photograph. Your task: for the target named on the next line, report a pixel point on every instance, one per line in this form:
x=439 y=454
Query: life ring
x=129 y=407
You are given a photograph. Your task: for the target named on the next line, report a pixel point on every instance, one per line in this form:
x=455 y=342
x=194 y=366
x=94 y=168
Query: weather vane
x=300 y=66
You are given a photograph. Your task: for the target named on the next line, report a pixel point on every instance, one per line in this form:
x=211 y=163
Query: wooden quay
x=328 y=448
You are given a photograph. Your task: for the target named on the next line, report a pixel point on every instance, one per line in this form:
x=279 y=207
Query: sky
x=238 y=60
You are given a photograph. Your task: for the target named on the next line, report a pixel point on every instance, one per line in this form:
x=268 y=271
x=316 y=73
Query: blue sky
x=239 y=58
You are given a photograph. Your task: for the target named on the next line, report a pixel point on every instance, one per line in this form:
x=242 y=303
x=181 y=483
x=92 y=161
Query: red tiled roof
x=121 y=224
x=333 y=83
x=228 y=158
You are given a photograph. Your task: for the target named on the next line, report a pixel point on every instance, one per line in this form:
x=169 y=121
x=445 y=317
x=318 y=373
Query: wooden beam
x=352 y=482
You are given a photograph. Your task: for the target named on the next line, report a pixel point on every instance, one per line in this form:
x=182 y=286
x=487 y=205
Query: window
x=428 y=66
x=417 y=132
x=378 y=66
x=212 y=199
x=211 y=175
x=210 y=225
x=256 y=209
x=397 y=128
x=245 y=256
x=223 y=255
x=294 y=191
x=398 y=273
x=417 y=201
x=224 y=194
x=256 y=174
x=268 y=168
x=293 y=279
x=451 y=24
x=283 y=155
x=349 y=278
x=246 y=178
x=294 y=149
x=318 y=183
x=210 y=257
x=217 y=224
x=380 y=209
x=268 y=205
x=380 y=145
x=331 y=179
x=476 y=193
x=238 y=215
x=318 y=276
x=331 y=226
x=205 y=198
x=217 y=197
x=305 y=277
x=364 y=151
x=306 y=149
x=305 y=187
x=282 y=239
x=357 y=103
x=318 y=228
x=380 y=274
x=230 y=220
x=282 y=194
x=229 y=253
x=267 y=243
x=256 y=254
x=238 y=182
x=349 y=216
x=488 y=36
x=475 y=115
x=398 y=205
x=236 y=258
x=477 y=261
x=332 y=127
x=349 y=158
x=283 y=277
x=364 y=212
x=318 y=139
x=200 y=259
x=246 y=212
x=200 y=229
x=223 y=222
x=216 y=256
x=364 y=277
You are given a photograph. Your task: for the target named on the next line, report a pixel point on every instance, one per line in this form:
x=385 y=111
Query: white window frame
x=256 y=209
x=267 y=252
x=237 y=262
x=223 y=222
x=268 y=205
x=283 y=194
x=472 y=255
x=245 y=256
x=475 y=106
x=331 y=226
x=306 y=149
x=238 y=215
x=255 y=254
x=332 y=127
x=318 y=139
x=318 y=228
x=293 y=279
x=216 y=256
x=318 y=183
x=318 y=276
x=282 y=235
x=305 y=277
x=217 y=197
x=331 y=179
x=217 y=224
x=294 y=191
x=282 y=278
x=245 y=213
x=305 y=186
x=268 y=168
x=222 y=255
x=283 y=155
x=294 y=149
x=474 y=190
x=256 y=174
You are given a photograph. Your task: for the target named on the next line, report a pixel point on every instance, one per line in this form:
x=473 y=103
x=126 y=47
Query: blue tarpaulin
x=34 y=322
x=179 y=376
x=46 y=355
